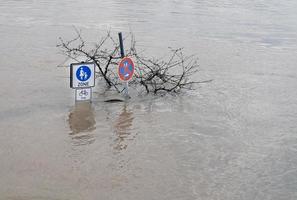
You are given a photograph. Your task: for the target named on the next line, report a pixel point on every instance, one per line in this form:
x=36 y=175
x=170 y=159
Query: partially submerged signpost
x=82 y=78
x=82 y=75
x=125 y=68
x=125 y=73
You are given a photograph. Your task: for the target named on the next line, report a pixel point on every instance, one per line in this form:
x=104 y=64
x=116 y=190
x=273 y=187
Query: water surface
x=232 y=138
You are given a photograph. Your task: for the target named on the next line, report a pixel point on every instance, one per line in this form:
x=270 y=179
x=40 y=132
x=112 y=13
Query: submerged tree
x=154 y=75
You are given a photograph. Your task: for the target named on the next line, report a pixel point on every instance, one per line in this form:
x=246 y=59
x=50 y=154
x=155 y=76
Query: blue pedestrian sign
x=82 y=75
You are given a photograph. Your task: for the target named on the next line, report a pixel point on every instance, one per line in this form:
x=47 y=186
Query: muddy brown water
x=232 y=138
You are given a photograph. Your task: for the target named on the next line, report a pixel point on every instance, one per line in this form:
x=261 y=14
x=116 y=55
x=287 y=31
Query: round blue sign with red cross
x=126 y=69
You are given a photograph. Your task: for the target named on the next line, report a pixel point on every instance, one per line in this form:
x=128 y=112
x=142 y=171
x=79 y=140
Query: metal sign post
x=126 y=84
x=125 y=72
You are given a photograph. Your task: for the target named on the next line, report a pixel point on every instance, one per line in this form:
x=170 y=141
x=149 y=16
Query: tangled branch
x=154 y=75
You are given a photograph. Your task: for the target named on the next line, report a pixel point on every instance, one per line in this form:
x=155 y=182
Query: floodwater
x=232 y=138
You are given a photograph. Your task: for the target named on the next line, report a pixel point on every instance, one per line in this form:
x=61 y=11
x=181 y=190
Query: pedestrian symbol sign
x=82 y=75
x=126 y=69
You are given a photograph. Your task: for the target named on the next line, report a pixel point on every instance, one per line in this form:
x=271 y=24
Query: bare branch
x=154 y=75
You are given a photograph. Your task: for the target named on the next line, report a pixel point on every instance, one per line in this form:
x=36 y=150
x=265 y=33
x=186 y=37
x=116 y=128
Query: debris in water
x=114 y=100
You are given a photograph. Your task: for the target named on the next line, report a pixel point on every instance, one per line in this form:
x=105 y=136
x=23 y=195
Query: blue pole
x=121 y=45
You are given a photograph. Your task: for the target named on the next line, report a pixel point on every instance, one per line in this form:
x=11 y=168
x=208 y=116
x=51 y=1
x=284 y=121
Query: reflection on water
x=123 y=127
x=124 y=134
x=82 y=122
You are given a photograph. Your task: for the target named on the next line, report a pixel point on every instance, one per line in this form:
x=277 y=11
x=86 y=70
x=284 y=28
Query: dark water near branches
x=232 y=138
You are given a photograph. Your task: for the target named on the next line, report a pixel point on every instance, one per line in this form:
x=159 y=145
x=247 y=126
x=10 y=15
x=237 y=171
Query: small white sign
x=82 y=75
x=84 y=94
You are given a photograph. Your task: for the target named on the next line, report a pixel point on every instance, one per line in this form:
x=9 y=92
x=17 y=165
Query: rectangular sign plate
x=82 y=75
x=84 y=94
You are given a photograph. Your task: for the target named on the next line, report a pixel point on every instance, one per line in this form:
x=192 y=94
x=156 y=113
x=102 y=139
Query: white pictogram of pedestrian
x=82 y=74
